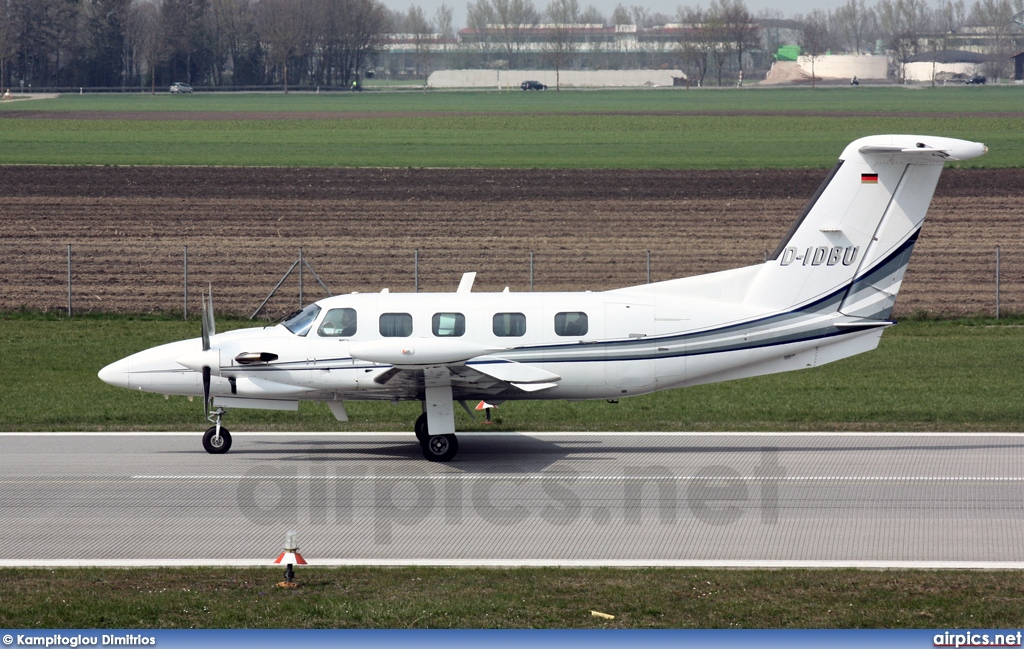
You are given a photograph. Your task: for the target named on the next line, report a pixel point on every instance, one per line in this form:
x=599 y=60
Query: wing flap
x=516 y=373
x=534 y=387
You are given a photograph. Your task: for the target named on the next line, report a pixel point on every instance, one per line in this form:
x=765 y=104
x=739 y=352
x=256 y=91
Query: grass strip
x=927 y=375
x=517 y=141
x=870 y=100
x=763 y=128
x=368 y=597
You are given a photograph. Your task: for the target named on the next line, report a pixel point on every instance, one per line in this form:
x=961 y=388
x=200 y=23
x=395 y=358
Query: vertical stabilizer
x=849 y=249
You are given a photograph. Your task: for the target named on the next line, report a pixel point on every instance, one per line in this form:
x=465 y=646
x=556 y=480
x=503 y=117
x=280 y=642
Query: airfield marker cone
x=290 y=557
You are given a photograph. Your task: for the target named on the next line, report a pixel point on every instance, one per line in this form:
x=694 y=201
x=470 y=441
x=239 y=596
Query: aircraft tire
x=421 y=428
x=225 y=438
x=440 y=448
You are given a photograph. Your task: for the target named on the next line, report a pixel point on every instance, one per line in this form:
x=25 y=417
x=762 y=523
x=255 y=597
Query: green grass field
x=927 y=375
x=666 y=129
x=508 y=598
x=876 y=100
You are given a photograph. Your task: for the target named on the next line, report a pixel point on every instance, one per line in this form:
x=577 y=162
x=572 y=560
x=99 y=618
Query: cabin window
x=509 y=325
x=571 y=323
x=338 y=323
x=395 y=325
x=449 y=324
x=299 y=322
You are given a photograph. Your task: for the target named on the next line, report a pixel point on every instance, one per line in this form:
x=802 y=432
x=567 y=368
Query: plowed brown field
x=359 y=228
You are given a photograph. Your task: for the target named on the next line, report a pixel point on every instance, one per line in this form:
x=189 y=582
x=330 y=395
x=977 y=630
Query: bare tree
x=444 y=21
x=903 y=23
x=6 y=42
x=992 y=17
x=715 y=31
x=363 y=25
x=699 y=40
x=422 y=32
x=591 y=15
x=184 y=28
x=854 y=26
x=515 y=19
x=564 y=15
x=738 y=29
x=479 y=18
x=815 y=38
x=44 y=39
x=144 y=25
x=641 y=16
x=950 y=16
x=620 y=15
x=227 y=22
x=283 y=32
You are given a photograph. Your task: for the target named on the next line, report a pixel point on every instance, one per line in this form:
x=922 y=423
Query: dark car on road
x=532 y=85
x=976 y=80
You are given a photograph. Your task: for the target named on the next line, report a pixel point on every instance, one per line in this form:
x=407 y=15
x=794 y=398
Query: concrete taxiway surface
x=724 y=499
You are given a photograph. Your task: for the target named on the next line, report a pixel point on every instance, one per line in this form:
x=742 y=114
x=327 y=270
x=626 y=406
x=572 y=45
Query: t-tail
x=849 y=249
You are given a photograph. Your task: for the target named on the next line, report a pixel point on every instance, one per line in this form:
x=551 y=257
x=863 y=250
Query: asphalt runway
x=619 y=499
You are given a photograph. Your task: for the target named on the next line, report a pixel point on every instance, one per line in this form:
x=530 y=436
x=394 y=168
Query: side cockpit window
x=299 y=322
x=571 y=323
x=338 y=323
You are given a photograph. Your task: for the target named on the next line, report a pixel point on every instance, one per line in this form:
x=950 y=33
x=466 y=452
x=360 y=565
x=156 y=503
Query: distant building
x=945 y=65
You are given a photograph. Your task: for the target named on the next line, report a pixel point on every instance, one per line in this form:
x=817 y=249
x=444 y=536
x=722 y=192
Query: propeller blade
x=206 y=389
x=213 y=323
x=206 y=326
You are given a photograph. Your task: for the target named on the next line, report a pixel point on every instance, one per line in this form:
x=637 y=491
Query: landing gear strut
x=217 y=439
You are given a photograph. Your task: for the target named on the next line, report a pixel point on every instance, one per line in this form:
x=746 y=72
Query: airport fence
x=82 y=278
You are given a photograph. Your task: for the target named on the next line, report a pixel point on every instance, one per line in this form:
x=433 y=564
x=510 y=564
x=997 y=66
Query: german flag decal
x=869 y=179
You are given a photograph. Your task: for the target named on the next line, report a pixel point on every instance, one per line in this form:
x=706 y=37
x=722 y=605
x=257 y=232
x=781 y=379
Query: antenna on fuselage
x=466 y=285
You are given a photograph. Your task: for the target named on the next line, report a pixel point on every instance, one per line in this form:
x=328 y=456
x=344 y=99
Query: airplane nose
x=116 y=374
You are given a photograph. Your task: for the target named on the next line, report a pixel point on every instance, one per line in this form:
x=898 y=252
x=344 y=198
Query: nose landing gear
x=217 y=439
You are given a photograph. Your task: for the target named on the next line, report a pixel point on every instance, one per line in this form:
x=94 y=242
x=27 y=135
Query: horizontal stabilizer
x=921 y=151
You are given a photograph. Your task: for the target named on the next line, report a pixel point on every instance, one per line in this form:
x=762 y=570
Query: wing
x=473 y=372
x=493 y=378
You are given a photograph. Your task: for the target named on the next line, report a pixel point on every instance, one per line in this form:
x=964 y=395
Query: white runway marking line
x=581 y=478
x=522 y=563
x=343 y=434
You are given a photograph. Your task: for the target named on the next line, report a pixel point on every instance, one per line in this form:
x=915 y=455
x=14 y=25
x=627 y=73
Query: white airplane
x=826 y=293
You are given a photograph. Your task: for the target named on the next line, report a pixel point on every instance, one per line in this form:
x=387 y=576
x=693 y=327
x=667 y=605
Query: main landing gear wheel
x=421 y=428
x=440 y=448
x=214 y=444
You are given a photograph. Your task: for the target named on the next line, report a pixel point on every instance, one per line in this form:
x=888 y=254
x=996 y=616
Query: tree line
x=149 y=43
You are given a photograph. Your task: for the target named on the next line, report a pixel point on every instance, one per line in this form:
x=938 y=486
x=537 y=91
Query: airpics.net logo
x=972 y=639
x=714 y=495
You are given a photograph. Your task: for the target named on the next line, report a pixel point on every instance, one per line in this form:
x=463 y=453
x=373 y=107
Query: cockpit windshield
x=299 y=322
